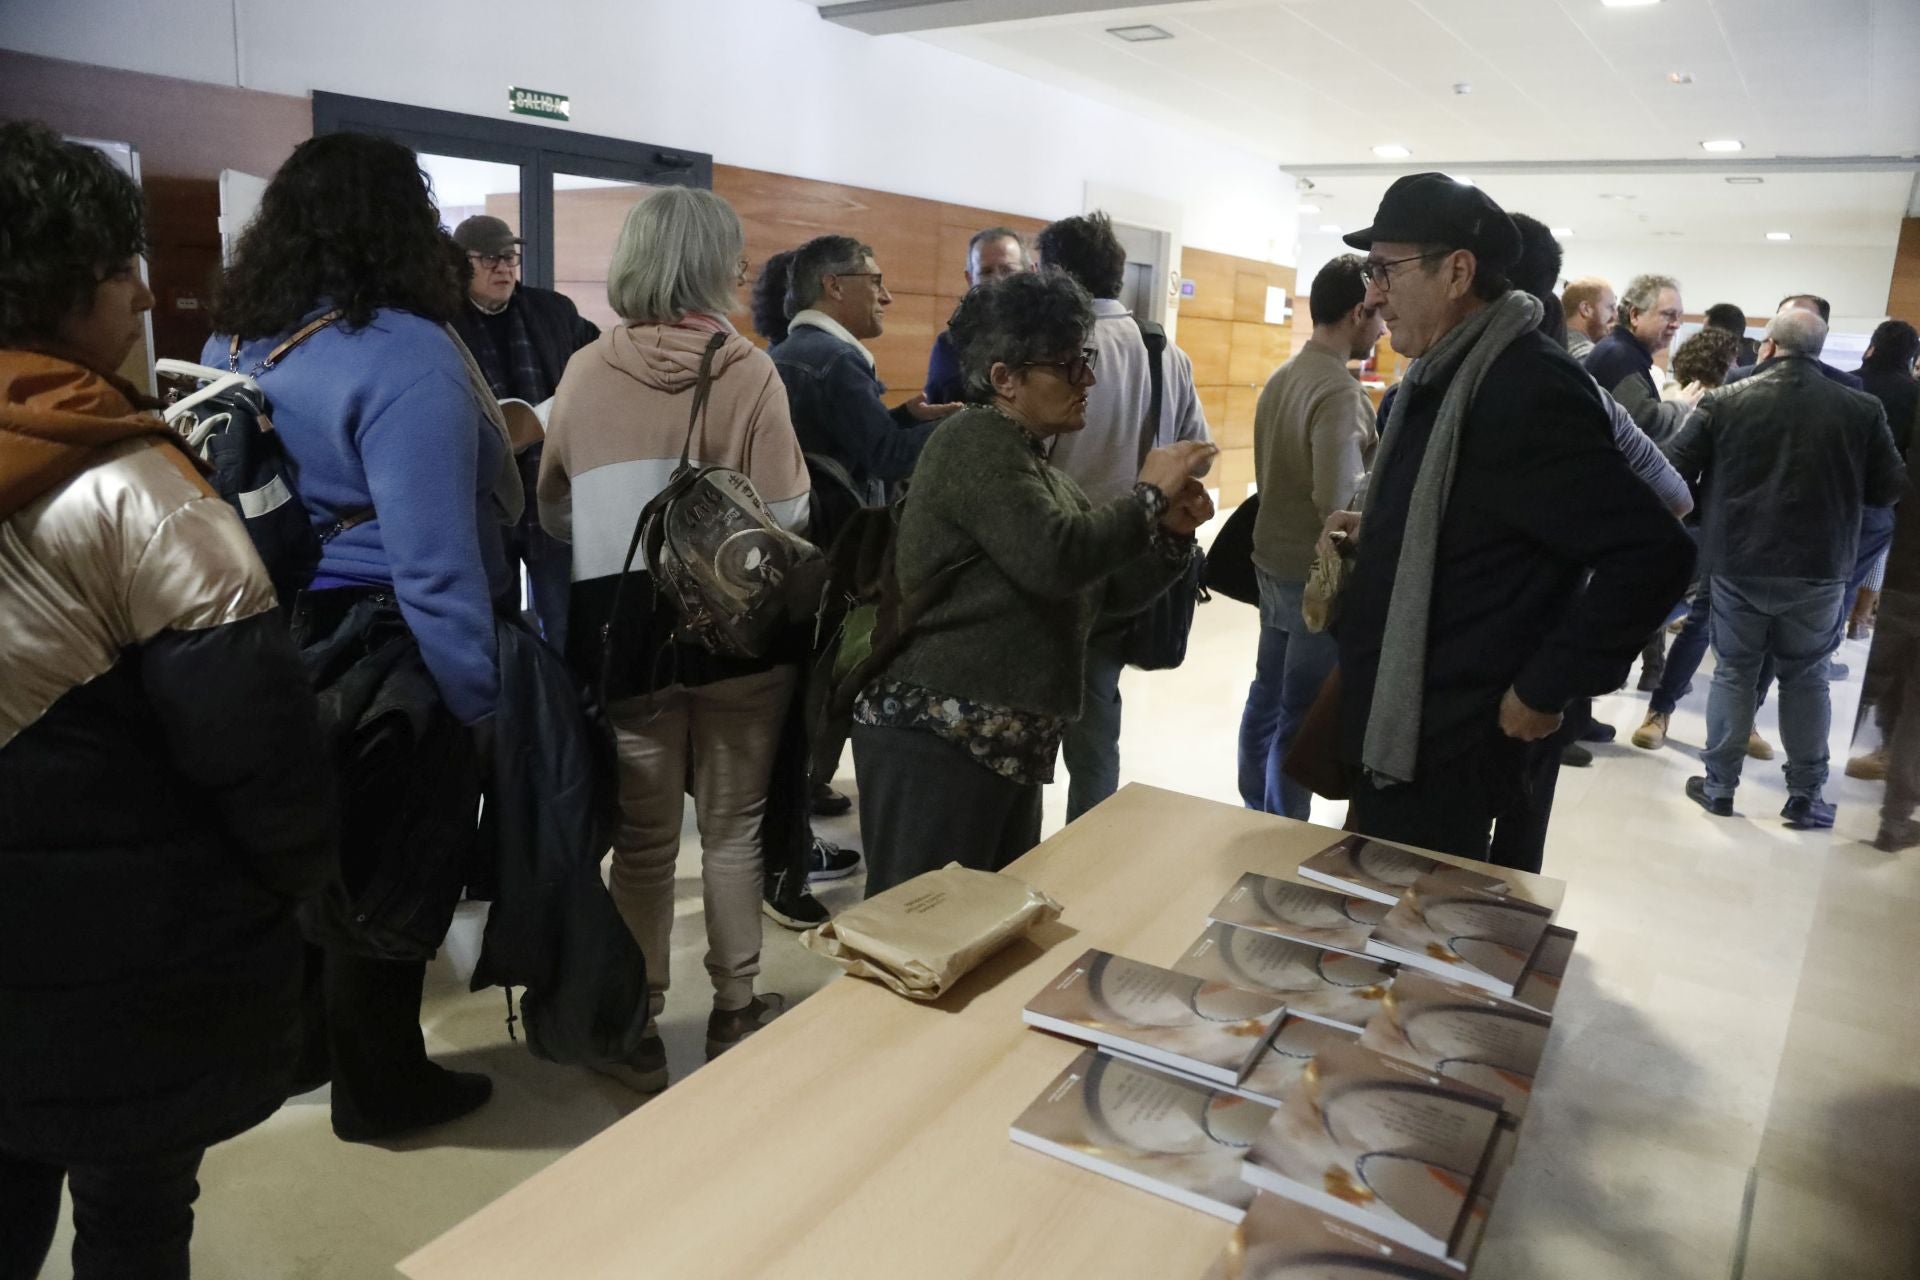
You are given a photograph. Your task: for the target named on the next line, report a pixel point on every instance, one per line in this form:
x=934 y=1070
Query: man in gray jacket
x=1313 y=436
x=1788 y=458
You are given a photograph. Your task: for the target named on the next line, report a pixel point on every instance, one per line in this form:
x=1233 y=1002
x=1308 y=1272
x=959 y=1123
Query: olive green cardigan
x=1012 y=629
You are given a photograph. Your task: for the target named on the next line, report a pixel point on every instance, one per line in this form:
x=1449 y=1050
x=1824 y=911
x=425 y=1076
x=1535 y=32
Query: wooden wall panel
x=1232 y=472
x=780 y=212
x=1223 y=328
x=1212 y=278
x=1210 y=345
x=1903 y=294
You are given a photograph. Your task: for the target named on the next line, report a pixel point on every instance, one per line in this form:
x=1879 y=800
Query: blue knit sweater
x=384 y=417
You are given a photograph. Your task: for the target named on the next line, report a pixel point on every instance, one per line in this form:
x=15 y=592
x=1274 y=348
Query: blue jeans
x=1796 y=621
x=1090 y=748
x=1287 y=674
x=1683 y=658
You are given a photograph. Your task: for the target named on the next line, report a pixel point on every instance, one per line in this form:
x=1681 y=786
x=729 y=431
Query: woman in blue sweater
x=407 y=481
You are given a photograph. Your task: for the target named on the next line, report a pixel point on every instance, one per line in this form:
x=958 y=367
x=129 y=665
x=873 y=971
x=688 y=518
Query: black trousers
x=129 y=1220
x=925 y=803
x=363 y=1032
x=1520 y=834
x=1450 y=807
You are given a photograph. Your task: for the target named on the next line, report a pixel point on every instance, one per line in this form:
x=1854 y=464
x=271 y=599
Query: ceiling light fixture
x=1627 y=4
x=1779 y=235
x=1463 y=88
x=1391 y=151
x=1560 y=233
x=1330 y=228
x=1745 y=182
x=1679 y=77
x=1308 y=208
x=1140 y=33
x=1723 y=144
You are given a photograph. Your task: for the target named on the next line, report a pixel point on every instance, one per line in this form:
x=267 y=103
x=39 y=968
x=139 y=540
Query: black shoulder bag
x=1156 y=638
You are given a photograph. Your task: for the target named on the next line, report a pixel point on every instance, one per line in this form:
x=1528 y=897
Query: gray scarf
x=1392 y=745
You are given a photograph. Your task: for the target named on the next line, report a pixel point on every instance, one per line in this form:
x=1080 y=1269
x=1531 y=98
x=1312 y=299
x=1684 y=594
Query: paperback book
x=1299 y=912
x=1462 y=1033
x=1148 y=1128
x=1296 y=1044
x=1282 y=1239
x=1318 y=983
x=1381 y=1144
x=1207 y=1029
x=1465 y=934
x=1540 y=986
x=1383 y=872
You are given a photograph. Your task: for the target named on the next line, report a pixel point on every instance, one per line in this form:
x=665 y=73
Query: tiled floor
x=1692 y=934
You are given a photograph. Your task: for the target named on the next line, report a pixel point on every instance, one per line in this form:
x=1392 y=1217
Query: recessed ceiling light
x=1746 y=182
x=1330 y=228
x=1142 y=32
x=1391 y=151
x=1627 y=4
x=1779 y=235
x=1309 y=208
x=1723 y=144
x=1679 y=77
x=1463 y=88
x=1616 y=195
x=1559 y=233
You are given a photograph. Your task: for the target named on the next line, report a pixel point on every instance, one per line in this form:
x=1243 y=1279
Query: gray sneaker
x=646 y=1071
x=728 y=1027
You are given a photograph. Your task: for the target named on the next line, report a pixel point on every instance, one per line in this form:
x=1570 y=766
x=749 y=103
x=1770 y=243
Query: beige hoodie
x=620 y=420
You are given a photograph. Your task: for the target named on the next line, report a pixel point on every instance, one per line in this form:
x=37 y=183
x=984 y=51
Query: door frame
x=539 y=151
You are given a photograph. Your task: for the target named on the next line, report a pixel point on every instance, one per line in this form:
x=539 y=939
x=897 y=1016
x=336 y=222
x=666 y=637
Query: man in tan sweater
x=1313 y=436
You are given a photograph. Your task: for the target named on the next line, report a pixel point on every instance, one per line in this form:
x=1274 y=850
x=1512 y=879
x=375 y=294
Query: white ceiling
x=1316 y=83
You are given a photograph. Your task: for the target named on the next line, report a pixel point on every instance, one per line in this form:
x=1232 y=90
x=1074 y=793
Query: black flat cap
x=1431 y=208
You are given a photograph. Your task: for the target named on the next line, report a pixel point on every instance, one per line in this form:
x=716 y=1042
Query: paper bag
x=922 y=936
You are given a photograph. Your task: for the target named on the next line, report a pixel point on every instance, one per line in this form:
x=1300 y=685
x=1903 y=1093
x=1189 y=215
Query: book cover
x=1293 y=1046
x=1383 y=872
x=1540 y=986
x=1465 y=934
x=1208 y=1029
x=1281 y=1239
x=1462 y=1033
x=1147 y=1128
x=1288 y=909
x=1379 y=1143
x=1318 y=983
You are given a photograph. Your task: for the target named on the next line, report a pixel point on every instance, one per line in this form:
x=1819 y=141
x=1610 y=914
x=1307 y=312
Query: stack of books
x=1342 y=1070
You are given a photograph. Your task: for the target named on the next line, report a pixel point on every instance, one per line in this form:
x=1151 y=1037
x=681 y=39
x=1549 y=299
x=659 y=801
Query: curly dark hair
x=1706 y=358
x=67 y=218
x=1027 y=317
x=769 y=301
x=349 y=218
x=1087 y=249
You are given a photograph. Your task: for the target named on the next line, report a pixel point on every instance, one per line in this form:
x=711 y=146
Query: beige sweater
x=1313 y=437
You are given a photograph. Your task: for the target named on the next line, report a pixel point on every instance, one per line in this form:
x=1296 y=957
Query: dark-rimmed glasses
x=1378 y=275
x=1075 y=370
x=492 y=260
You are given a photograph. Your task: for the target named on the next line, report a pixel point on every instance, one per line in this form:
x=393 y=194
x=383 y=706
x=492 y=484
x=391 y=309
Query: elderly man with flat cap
x=1507 y=559
x=522 y=337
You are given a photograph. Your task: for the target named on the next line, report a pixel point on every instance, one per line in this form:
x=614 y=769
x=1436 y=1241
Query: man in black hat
x=522 y=338
x=1464 y=629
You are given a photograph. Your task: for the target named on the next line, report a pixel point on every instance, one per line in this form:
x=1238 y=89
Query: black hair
x=68 y=217
x=1706 y=357
x=1553 y=318
x=822 y=256
x=1820 y=304
x=1892 y=348
x=1337 y=289
x=1488 y=285
x=769 y=300
x=1086 y=248
x=1537 y=271
x=991 y=234
x=1026 y=317
x=1727 y=316
x=350 y=219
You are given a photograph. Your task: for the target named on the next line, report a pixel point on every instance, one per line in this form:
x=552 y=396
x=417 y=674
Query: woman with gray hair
x=954 y=739
x=620 y=418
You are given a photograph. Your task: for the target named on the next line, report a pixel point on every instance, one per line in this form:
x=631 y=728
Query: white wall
x=1853 y=278
x=765 y=84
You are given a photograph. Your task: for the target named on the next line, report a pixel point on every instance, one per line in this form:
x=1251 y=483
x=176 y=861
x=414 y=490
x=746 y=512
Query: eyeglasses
x=1377 y=274
x=1077 y=369
x=492 y=260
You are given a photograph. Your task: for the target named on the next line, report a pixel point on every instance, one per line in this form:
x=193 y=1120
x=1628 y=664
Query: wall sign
x=536 y=102
x=1186 y=288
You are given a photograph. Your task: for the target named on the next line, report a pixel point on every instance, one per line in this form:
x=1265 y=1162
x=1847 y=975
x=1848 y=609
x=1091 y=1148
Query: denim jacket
x=837 y=411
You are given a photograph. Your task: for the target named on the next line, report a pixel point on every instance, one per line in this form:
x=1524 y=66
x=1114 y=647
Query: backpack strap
x=279 y=353
x=1156 y=339
x=700 y=391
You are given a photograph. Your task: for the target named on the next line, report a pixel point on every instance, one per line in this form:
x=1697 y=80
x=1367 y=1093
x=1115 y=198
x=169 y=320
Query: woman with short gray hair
x=955 y=738
x=620 y=418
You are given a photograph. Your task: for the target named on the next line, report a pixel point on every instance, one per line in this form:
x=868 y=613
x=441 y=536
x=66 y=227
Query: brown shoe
x=1652 y=733
x=1759 y=748
x=1897 y=834
x=728 y=1027
x=1871 y=766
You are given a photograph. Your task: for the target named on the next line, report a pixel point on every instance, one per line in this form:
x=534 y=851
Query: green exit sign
x=534 y=102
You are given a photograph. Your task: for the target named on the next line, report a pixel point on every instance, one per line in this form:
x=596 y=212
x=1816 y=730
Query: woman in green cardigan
x=952 y=743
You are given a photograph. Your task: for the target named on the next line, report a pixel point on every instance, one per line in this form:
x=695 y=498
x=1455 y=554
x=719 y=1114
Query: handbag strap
x=279 y=353
x=700 y=393
x=1156 y=339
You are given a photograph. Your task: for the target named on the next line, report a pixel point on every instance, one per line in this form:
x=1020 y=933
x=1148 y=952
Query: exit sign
x=534 y=102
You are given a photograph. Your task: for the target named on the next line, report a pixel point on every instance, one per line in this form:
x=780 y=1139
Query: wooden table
x=865 y=1135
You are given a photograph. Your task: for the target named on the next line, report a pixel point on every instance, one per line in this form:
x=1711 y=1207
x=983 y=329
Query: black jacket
x=1787 y=458
x=1899 y=394
x=157 y=826
x=1624 y=370
x=554 y=327
x=1541 y=496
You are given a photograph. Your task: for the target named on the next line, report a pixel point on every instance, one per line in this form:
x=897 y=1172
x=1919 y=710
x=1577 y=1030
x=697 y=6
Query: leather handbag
x=1313 y=758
